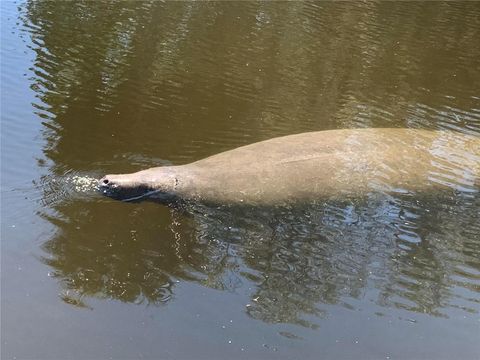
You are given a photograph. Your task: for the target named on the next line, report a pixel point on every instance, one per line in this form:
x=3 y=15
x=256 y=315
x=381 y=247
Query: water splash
x=71 y=186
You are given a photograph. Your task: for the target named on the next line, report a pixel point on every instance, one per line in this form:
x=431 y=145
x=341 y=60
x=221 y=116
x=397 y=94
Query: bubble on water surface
x=70 y=186
x=82 y=183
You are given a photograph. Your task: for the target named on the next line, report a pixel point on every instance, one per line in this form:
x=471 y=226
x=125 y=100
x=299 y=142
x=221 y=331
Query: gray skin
x=314 y=166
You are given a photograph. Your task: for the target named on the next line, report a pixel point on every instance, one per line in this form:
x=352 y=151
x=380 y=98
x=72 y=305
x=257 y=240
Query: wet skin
x=312 y=166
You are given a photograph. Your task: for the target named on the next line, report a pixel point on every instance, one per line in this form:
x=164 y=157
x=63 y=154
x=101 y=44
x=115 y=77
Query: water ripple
x=119 y=86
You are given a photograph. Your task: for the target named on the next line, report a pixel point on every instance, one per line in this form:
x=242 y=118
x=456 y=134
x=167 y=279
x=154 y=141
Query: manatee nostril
x=105 y=181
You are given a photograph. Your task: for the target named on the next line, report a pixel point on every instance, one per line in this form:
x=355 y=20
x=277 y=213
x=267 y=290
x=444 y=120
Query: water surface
x=90 y=88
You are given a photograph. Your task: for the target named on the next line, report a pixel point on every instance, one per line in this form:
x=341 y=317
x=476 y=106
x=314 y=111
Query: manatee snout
x=104 y=181
x=109 y=187
x=108 y=182
x=121 y=187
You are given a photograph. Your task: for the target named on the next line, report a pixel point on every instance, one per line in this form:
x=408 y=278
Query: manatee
x=314 y=166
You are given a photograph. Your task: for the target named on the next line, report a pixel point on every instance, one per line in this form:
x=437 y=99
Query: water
x=91 y=88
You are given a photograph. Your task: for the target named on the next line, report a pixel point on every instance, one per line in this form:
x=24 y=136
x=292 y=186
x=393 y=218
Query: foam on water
x=71 y=186
x=83 y=183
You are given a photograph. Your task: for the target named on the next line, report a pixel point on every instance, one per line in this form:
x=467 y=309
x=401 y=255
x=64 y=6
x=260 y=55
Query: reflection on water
x=401 y=251
x=120 y=86
x=151 y=72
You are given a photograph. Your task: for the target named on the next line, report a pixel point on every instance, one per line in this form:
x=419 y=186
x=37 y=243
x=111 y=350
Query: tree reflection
x=294 y=259
x=212 y=70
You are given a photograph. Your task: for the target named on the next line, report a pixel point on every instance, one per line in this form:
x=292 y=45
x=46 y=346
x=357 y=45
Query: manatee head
x=155 y=183
x=127 y=187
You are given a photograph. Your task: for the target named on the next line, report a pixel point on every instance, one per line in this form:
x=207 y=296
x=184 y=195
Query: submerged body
x=314 y=166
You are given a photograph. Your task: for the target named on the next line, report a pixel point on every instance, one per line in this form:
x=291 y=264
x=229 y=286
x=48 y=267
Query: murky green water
x=90 y=88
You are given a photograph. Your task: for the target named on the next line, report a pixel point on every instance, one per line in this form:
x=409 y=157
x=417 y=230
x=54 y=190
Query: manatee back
x=336 y=163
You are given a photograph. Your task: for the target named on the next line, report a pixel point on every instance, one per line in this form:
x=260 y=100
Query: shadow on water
x=118 y=79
